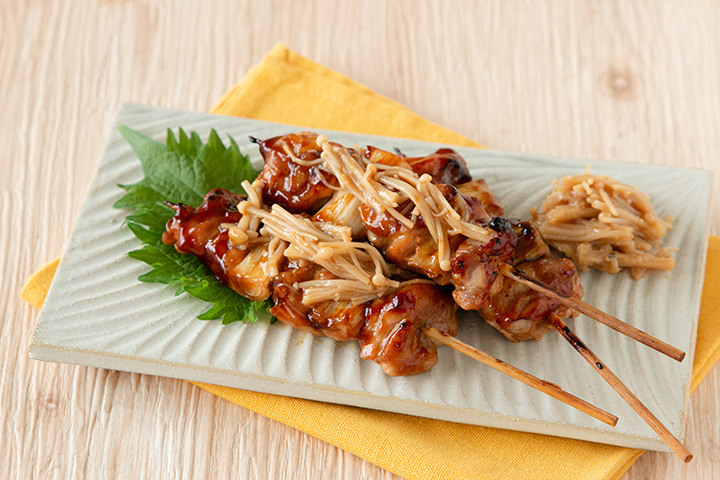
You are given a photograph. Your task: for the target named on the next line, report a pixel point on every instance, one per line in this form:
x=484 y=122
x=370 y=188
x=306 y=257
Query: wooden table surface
x=635 y=81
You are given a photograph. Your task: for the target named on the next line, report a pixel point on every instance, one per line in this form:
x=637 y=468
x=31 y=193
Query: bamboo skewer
x=596 y=314
x=526 y=378
x=667 y=436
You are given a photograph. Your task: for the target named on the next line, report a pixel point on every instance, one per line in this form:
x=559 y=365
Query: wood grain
x=635 y=81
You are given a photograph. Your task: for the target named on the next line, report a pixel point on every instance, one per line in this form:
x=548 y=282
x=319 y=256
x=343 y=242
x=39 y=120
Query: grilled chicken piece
x=340 y=320
x=414 y=248
x=516 y=311
x=296 y=187
x=444 y=166
x=378 y=155
x=530 y=245
x=190 y=228
x=476 y=265
x=198 y=231
x=513 y=309
x=520 y=313
x=393 y=333
x=388 y=329
x=478 y=189
x=245 y=270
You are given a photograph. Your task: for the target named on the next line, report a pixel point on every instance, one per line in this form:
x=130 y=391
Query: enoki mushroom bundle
x=360 y=272
x=385 y=187
x=601 y=223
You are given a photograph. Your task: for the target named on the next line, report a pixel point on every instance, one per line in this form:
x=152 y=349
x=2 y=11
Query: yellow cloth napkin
x=286 y=87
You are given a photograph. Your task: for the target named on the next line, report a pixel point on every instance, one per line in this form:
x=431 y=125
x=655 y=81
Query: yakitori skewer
x=595 y=314
x=338 y=161
x=458 y=242
x=667 y=436
x=522 y=376
x=287 y=257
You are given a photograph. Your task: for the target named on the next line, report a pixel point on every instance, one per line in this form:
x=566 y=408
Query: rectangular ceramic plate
x=97 y=313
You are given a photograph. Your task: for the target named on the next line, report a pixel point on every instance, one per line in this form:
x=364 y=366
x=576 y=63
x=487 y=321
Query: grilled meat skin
x=474 y=266
x=444 y=166
x=388 y=328
x=296 y=187
x=393 y=333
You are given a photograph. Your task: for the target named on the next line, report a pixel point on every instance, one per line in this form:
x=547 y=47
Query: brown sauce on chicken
x=296 y=187
x=190 y=228
x=198 y=231
x=479 y=190
x=388 y=328
x=444 y=166
x=393 y=333
x=520 y=313
x=414 y=248
x=474 y=267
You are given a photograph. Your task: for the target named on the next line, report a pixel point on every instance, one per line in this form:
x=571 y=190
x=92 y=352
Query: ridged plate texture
x=97 y=312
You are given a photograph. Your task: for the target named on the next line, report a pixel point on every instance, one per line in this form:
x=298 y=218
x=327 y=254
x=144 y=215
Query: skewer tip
x=663 y=432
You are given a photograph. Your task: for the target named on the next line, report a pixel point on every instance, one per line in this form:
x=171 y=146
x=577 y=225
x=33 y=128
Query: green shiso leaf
x=183 y=170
